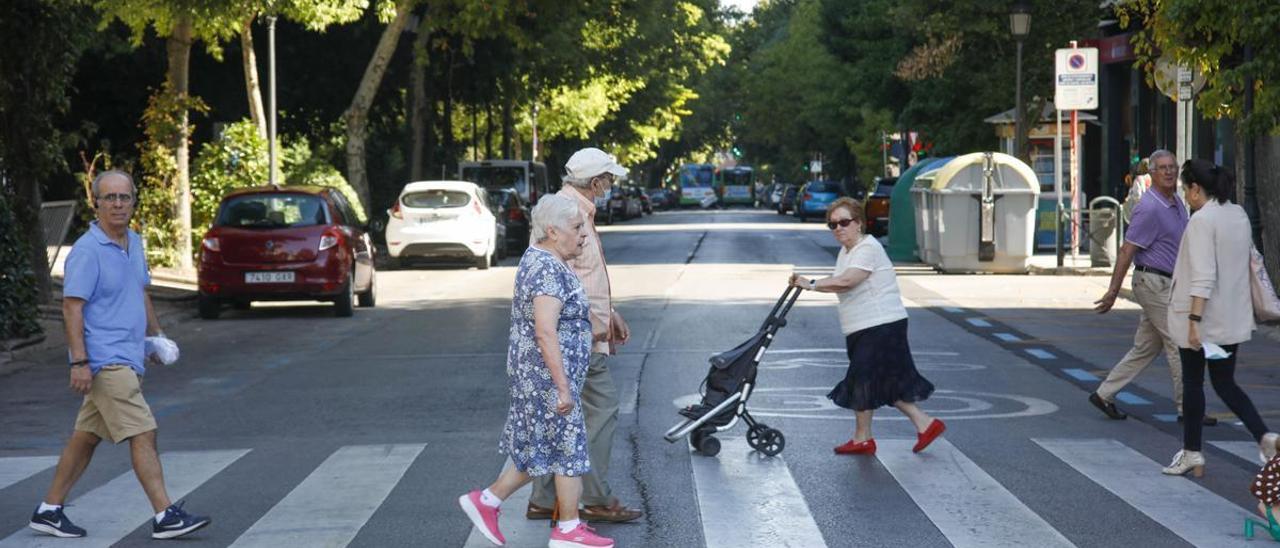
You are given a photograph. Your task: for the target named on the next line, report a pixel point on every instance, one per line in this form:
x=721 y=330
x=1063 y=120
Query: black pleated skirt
x=881 y=370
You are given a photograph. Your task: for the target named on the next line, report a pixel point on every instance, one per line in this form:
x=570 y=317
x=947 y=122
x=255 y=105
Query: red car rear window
x=272 y=211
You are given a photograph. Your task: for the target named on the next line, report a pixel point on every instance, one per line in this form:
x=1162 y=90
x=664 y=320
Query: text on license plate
x=268 y=277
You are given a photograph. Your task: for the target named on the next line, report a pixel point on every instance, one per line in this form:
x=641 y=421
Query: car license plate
x=268 y=277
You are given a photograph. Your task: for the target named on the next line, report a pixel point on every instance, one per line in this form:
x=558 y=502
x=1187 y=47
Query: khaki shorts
x=114 y=409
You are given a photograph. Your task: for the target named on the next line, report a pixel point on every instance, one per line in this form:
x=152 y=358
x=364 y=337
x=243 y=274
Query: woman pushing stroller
x=874 y=322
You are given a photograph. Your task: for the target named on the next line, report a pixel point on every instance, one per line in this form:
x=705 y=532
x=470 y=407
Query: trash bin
x=976 y=213
x=1104 y=227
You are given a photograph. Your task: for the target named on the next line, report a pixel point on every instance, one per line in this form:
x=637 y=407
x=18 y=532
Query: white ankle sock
x=160 y=516
x=489 y=499
x=567 y=525
x=46 y=507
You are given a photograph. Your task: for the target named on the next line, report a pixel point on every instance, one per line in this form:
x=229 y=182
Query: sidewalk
x=172 y=295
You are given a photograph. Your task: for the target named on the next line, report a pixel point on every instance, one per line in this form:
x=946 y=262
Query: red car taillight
x=395 y=210
x=807 y=196
x=329 y=240
x=515 y=214
x=211 y=243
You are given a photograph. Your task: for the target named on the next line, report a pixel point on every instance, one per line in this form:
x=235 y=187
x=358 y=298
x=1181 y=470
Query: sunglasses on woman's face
x=841 y=223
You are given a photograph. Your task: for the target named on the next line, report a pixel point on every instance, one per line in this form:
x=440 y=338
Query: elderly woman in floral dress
x=549 y=346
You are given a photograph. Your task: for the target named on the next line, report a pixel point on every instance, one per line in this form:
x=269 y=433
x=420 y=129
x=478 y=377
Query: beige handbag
x=1266 y=305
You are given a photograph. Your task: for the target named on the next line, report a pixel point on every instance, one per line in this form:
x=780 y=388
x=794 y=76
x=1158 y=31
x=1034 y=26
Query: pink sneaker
x=484 y=517
x=581 y=536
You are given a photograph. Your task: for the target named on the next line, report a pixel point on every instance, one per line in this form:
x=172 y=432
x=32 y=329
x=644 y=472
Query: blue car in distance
x=815 y=196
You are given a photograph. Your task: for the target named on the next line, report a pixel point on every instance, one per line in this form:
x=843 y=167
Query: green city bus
x=698 y=182
x=739 y=185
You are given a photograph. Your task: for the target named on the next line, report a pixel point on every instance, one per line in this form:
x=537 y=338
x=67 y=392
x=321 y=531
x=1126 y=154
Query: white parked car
x=447 y=220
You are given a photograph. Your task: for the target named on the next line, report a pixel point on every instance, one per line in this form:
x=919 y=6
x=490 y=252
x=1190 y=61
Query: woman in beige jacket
x=1210 y=303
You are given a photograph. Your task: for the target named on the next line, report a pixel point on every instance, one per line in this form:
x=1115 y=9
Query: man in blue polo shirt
x=1151 y=244
x=107 y=315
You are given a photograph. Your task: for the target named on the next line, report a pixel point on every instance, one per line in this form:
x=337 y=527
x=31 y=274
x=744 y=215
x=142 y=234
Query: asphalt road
x=294 y=428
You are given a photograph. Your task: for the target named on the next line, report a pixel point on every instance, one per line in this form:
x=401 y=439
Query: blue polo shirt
x=112 y=282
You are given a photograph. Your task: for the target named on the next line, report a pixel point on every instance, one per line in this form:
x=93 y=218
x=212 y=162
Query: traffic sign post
x=1075 y=89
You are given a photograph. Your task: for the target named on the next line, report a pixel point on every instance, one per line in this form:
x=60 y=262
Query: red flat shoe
x=857 y=447
x=935 y=429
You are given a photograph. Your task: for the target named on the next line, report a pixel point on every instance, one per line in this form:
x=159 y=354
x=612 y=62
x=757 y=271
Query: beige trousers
x=1152 y=293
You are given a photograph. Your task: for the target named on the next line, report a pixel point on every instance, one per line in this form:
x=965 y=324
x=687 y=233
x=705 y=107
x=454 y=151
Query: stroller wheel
x=755 y=435
x=766 y=440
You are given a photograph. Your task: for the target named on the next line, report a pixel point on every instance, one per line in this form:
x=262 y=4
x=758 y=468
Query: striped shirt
x=593 y=273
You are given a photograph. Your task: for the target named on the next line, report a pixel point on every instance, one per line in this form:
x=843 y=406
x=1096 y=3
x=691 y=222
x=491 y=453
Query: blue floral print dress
x=538 y=440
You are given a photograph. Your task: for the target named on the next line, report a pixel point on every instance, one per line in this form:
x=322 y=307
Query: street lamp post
x=1019 y=26
x=271 y=126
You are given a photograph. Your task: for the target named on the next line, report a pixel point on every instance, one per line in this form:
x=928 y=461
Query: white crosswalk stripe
x=967 y=505
x=16 y=469
x=114 y=510
x=742 y=497
x=331 y=505
x=1246 y=450
x=747 y=499
x=1185 y=508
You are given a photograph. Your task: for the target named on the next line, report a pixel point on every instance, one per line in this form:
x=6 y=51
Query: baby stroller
x=727 y=388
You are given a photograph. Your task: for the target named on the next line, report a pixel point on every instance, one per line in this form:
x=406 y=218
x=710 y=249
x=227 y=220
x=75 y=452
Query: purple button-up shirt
x=1156 y=228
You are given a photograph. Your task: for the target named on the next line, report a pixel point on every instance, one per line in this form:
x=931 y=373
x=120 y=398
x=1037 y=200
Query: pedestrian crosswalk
x=965 y=503
x=739 y=498
x=118 y=507
x=338 y=498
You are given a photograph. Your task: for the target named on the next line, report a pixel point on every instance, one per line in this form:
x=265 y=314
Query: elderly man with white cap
x=589 y=174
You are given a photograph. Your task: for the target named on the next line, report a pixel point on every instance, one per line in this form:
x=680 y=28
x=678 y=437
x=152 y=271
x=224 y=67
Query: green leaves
x=1213 y=36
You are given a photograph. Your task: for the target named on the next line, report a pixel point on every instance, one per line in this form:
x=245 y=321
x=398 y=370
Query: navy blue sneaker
x=177 y=522
x=55 y=523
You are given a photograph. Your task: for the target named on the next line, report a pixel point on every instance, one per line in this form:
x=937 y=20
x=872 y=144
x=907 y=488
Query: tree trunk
x=179 y=49
x=488 y=131
x=420 y=104
x=357 y=115
x=508 y=123
x=1030 y=119
x=251 y=83
x=446 y=124
x=1267 y=171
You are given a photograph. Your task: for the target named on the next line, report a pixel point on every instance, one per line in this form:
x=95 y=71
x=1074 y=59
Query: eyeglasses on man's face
x=1169 y=167
x=842 y=223
x=116 y=198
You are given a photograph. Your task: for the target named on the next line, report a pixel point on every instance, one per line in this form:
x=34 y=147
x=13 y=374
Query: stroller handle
x=782 y=307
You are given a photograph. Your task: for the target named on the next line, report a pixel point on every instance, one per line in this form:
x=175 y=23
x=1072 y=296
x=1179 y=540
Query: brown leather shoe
x=537 y=512
x=614 y=513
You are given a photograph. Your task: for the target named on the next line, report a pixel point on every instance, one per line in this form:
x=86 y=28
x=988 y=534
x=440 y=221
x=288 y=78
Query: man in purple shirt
x=1151 y=245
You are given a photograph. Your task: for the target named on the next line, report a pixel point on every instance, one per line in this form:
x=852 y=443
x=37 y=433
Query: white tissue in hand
x=162 y=349
x=1215 y=352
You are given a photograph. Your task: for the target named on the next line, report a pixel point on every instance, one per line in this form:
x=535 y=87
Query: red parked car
x=286 y=243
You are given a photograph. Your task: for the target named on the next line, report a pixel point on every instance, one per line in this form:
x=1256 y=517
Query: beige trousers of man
x=1152 y=293
x=600 y=412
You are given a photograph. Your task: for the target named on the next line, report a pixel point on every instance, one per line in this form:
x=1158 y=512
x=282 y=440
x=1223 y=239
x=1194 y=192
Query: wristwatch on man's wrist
x=79 y=363
x=813 y=285
x=1194 y=317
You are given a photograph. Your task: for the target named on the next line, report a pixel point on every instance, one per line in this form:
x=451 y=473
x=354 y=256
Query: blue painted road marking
x=1080 y=374
x=1042 y=354
x=978 y=322
x=1006 y=337
x=1132 y=399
